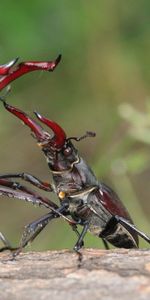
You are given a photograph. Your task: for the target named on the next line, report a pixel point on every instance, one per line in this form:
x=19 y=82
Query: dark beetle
x=83 y=199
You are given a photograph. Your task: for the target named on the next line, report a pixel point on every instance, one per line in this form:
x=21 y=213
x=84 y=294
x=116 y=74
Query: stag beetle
x=83 y=199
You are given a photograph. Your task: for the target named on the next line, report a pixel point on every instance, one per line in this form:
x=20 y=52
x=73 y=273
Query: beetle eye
x=67 y=151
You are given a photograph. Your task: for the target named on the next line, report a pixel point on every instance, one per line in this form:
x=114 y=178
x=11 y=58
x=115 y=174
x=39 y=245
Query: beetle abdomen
x=122 y=238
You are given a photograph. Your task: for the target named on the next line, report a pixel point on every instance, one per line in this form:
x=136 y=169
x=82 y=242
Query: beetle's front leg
x=31 y=179
x=31 y=231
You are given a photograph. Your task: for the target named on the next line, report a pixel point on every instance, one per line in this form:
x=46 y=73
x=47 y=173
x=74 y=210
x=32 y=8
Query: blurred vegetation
x=102 y=85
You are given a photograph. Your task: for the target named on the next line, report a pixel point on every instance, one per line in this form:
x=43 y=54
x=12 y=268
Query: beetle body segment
x=91 y=201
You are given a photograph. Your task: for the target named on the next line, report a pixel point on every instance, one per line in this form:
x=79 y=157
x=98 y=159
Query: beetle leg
x=31 y=179
x=74 y=228
x=105 y=244
x=79 y=242
x=33 y=229
x=13 y=189
x=16 y=190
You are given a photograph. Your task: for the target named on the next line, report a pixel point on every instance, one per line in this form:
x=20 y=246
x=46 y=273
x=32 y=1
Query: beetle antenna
x=78 y=139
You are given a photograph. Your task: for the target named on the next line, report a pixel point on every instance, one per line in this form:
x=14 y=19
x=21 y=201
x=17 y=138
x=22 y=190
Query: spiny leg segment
x=16 y=190
x=31 y=179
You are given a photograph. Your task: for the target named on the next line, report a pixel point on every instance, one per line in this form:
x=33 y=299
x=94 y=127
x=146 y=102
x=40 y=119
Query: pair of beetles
x=83 y=199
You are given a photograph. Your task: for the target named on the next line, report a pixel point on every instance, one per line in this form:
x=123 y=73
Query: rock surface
x=114 y=274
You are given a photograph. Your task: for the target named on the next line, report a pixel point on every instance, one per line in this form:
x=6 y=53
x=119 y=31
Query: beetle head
x=59 y=150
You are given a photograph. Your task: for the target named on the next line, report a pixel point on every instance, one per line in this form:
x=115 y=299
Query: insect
x=83 y=199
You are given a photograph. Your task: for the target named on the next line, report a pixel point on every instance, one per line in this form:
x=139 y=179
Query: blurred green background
x=101 y=84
